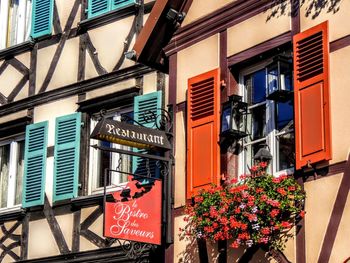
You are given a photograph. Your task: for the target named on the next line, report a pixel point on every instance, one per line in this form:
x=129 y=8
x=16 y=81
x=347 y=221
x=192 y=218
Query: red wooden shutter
x=311 y=96
x=203 y=152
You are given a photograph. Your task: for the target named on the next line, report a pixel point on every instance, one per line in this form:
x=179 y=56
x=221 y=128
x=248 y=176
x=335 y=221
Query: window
x=11 y=172
x=15 y=22
x=99 y=160
x=268 y=122
x=98 y=7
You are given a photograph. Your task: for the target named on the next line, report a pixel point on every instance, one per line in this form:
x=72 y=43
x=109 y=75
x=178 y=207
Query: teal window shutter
x=98 y=7
x=42 y=16
x=67 y=151
x=34 y=164
x=145 y=106
x=117 y=4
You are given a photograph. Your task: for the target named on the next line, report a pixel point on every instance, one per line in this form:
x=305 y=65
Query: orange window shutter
x=311 y=96
x=203 y=115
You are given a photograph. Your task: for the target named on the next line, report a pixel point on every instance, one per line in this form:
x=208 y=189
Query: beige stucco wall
x=195 y=60
x=150 y=83
x=110 y=89
x=9 y=79
x=340 y=250
x=200 y=8
x=180 y=157
x=338 y=17
x=13 y=116
x=24 y=58
x=41 y=242
x=112 y=36
x=50 y=111
x=256 y=30
x=64 y=9
x=340 y=97
x=185 y=250
x=320 y=199
x=67 y=68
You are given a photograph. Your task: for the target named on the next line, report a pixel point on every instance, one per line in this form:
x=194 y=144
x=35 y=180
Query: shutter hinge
x=80 y=186
x=82 y=124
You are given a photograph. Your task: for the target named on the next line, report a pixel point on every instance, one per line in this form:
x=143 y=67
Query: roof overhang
x=159 y=28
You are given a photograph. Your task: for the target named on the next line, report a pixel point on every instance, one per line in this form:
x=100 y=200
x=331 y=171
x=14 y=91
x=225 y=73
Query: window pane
x=284 y=115
x=19 y=177
x=285 y=150
x=258 y=123
x=256 y=87
x=4 y=173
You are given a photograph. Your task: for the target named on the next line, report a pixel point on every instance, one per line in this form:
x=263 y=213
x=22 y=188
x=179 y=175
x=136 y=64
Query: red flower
x=276 y=180
x=263 y=198
x=235 y=244
x=274 y=212
x=254 y=168
x=291 y=188
x=263 y=164
x=244 y=226
x=198 y=199
x=265 y=231
x=286 y=224
x=281 y=191
x=259 y=190
x=302 y=213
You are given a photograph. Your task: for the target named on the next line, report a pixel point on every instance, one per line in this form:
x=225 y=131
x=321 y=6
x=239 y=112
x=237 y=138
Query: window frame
x=23 y=23
x=271 y=130
x=13 y=162
x=94 y=155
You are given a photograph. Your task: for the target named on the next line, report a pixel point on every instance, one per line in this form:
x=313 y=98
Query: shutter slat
x=118 y=4
x=67 y=147
x=311 y=96
x=203 y=131
x=34 y=164
x=42 y=17
x=144 y=103
x=98 y=7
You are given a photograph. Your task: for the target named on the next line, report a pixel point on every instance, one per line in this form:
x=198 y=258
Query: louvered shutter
x=34 y=164
x=42 y=15
x=117 y=4
x=311 y=96
x=203 y=152
x=146 y=106
x=67 y=149
x=98 y=7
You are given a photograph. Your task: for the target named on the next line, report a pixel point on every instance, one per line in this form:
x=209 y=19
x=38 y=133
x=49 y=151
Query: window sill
x=16 y=49
x=112 y=16
x=90 y=200
x=10 y=214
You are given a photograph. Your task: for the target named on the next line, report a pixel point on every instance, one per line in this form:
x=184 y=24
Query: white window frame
x=23 y=22
x=12 y=180
x=95 y=157
x=271 y=132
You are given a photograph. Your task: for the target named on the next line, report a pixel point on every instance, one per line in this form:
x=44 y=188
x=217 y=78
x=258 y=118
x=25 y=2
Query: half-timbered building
x=223 y=48
x=63 y=69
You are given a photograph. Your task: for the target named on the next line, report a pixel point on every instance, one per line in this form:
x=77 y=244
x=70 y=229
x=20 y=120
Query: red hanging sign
x=137 y=219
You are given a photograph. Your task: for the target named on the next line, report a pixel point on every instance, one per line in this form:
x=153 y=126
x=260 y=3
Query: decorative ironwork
x=135 y=250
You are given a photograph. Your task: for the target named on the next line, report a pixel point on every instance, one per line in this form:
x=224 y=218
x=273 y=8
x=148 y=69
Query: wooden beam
x=60 y=47
x=55 y=228
x=94 y=56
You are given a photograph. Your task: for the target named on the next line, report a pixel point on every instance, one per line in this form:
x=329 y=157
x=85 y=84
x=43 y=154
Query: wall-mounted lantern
x=263 y=155
x=279 y=79
x=233 y=120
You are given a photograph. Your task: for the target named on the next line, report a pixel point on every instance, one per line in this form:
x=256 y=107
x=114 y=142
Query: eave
x=156 y=34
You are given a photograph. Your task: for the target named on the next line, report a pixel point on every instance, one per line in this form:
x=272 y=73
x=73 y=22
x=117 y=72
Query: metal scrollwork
x=135 y=250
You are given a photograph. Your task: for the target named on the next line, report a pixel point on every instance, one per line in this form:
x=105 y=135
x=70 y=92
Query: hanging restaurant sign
x=136 y=219
x=130 y=135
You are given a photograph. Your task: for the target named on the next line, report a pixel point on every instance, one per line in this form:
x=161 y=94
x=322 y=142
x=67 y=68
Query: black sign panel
x=130 y=135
